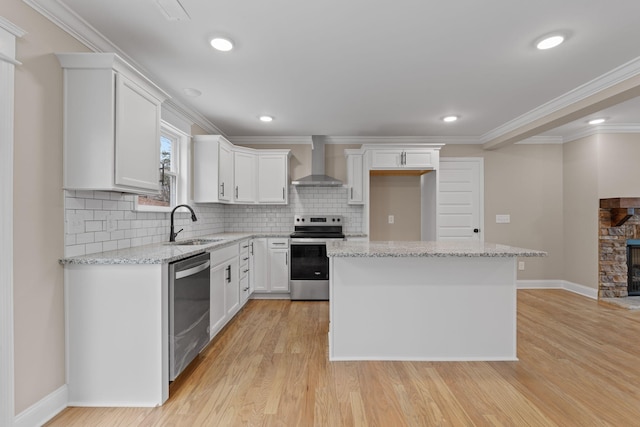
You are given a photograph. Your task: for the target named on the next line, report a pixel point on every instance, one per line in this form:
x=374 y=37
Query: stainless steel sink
x=194 y=242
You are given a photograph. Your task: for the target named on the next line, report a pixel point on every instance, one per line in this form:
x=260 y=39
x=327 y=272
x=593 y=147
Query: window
x=172 y=167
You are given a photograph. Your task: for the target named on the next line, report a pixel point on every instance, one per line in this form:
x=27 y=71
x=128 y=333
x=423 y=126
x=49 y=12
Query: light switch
x=391 y=219
x=503 y=219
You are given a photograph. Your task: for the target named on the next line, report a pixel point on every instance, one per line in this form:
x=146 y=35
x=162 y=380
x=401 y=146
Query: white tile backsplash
x=108 y=222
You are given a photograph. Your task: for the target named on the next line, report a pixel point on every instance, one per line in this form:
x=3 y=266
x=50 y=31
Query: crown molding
x=270 y=140
x=11 y=28
x=602 y=129
x=542 y=140
x=58 y=13
x=617 y=75
x=347 y=140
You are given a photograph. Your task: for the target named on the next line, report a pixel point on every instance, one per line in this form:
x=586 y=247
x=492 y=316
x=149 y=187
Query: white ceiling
x=372 y=68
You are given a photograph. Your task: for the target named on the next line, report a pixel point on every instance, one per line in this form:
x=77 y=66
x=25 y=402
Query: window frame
x=179 y=169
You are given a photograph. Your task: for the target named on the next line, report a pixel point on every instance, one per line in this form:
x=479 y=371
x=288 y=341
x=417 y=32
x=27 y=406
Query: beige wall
x=38 y=206
x=580 y=216
x=618 y=165
x=398 y=196
x=524 y=181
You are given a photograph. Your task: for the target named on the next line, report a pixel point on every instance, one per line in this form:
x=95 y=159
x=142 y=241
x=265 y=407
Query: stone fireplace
x=619 y=222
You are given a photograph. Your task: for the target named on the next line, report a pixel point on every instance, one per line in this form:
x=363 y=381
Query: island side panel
x=117 y=335
x=423 y=308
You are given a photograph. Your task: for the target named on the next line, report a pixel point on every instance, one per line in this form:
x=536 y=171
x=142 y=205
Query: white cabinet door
x=111 y=125
x=244 y=174
x=272 y=178
x=419 y=158
x=279 y=266
x=137 y=136
x=232 y=288
x=382 y=159
x=259 y=265
x=355 y=179
x=225 y=172
x=217 y=309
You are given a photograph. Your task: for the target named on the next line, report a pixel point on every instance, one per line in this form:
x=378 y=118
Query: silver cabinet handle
x=245 y=258
x=286 y=259
x=222 y=185
x=351 y=193
x=251 y=248
x=278 y=243
x=245 y=271
x=236 y=191
x=282 y=193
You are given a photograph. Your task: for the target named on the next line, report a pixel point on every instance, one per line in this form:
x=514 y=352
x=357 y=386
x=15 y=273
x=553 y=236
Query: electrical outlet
x=521 y=265
x=503 y=219
x=112 y=223
x=75 y=223
x=391 y=219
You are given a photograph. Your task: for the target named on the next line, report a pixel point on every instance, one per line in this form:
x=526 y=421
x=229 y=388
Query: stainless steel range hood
x=317 y=177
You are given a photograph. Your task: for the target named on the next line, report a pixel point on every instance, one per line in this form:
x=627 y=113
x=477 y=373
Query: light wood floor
x=579 y=366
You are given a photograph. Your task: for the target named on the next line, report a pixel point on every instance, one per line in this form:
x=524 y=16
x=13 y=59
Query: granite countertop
x=159 y=253
x=427 y=249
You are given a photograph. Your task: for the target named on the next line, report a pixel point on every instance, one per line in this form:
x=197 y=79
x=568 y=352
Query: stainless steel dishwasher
x=189 y=291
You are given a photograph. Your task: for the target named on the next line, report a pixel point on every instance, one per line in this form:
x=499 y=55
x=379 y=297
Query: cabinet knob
x=476 y=230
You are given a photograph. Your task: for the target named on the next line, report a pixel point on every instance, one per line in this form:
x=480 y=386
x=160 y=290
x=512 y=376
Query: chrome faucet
x=172 y=235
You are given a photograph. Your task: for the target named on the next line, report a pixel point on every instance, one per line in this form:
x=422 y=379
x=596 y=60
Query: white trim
x=541 y=140
x=272 y=140
x=43 y=410
x=617 y=75
x=8 y=34
x=602 y=129
x=559 y=284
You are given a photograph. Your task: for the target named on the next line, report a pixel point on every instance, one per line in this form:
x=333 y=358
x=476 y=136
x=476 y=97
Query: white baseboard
x=559 y=284
x=44 y=410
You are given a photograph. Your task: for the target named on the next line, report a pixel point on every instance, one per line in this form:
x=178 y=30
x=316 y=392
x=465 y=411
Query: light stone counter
x=160 y=253
x=427 y=249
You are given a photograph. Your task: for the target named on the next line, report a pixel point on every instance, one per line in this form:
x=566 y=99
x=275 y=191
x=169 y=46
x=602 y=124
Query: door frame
x=480 y=162
x=8 y=34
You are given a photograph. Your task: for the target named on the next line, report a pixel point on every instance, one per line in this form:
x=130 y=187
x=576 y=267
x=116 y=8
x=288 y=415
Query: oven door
x=309 y=260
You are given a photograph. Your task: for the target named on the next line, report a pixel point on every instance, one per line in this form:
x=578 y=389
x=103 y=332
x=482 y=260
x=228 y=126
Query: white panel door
x=460 y=199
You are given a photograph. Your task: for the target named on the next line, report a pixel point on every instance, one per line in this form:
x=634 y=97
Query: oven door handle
x=310 y=240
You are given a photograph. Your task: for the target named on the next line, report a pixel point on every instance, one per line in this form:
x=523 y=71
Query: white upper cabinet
x=244 y=173
x=400 y=158
x=111 y=125
x=273 y=177
x=225 y=173
x=212 y=169
x=355 y=177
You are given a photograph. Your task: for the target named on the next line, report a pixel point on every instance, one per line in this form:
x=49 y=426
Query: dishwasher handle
x=193 y=270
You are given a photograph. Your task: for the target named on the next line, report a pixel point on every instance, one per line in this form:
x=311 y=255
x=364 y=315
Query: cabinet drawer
x=221 y=255
x=278 y=243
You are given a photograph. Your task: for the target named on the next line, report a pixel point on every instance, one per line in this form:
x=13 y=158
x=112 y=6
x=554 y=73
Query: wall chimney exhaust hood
x=317 y=177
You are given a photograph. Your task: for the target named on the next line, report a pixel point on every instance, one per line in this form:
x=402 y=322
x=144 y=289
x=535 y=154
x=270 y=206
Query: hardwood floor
x=579 y=366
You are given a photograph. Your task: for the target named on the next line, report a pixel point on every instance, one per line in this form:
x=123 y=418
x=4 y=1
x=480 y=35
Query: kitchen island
x=431 y=301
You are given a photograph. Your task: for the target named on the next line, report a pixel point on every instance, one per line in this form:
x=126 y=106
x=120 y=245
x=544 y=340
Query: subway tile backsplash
x=97 y=221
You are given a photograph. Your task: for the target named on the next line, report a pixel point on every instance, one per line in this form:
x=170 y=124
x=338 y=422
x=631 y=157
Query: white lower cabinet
x=270 y=266
x=225 y=288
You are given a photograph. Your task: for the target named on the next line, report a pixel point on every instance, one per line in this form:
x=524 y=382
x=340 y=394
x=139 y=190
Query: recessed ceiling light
x=266 y=119
x=191 y=92
x=450 y=119
x=221 y=44
x=550 y=41
x=597 y=121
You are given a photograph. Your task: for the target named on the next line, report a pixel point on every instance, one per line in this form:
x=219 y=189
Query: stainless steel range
x=309 y=275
